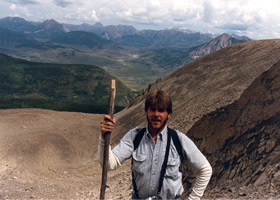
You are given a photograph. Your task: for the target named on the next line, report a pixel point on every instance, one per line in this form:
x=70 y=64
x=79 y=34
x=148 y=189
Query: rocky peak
x=224 y=36
x=52 y=26
x=119 y=31
x=222 y=41
x=17 y=24
x=98 y=25
x=13 y=20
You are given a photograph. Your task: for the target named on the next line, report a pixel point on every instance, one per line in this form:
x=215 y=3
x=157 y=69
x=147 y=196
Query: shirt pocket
x=172 y=170
x=139 y=165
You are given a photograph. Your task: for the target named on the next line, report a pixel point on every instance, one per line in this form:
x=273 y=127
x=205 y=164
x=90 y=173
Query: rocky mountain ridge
x=52 y=26
x=222 y=41
x=123 y=34
x=242 y=140
x=17 y=24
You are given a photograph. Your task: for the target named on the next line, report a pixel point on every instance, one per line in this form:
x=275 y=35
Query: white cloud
x=19 y=10
x=94 y=16
x=251 y=17
x=13 y=7
x=155 y=3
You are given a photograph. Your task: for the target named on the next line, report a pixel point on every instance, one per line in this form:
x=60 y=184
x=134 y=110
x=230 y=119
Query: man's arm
x=199 y=164
x=107 y=125
x=114 y=162
x=201 y=182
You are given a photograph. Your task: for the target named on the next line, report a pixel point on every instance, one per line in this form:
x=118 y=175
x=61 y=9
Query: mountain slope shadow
x=242 y=141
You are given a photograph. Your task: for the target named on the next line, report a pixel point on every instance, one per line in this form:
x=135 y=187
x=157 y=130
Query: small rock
x=242 y=194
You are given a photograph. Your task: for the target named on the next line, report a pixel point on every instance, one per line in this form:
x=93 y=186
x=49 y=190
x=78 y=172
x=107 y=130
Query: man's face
x=157 y=118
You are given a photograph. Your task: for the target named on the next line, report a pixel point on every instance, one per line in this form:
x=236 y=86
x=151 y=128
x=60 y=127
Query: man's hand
x=107 y=124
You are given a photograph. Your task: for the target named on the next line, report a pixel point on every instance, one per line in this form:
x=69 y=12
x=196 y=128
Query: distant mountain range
x=137 y=57
x=18 y=24
x=48 y=31
x=122 y=34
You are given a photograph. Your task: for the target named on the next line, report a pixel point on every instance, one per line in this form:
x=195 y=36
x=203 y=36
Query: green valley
x=70 y=87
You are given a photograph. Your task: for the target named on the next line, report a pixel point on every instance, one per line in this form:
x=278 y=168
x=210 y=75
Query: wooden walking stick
x=112 y=95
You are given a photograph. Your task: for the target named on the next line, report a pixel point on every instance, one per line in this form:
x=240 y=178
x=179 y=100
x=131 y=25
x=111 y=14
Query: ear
x=169 y=115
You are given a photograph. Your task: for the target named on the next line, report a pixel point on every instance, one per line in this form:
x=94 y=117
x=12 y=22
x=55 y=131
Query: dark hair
x=158 y=98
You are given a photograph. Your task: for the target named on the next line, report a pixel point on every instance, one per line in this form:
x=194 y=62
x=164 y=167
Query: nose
x=156 y=113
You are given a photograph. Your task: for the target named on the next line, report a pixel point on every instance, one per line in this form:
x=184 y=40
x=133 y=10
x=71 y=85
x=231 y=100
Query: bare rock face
x=216 y=44
x=242 y=141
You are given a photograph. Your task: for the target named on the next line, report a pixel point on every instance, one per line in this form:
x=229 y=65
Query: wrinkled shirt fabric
x=148 y=159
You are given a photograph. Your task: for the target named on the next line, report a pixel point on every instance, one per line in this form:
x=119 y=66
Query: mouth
x=156 y=120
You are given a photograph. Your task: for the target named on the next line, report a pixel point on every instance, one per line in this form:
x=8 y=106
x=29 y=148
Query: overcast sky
x=257 y=19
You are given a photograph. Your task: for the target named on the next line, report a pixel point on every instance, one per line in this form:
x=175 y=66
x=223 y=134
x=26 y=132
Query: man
x=149 y=156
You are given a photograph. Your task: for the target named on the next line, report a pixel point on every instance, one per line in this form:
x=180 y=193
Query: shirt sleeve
x=199 y=164
x=125 y=148
x=191 y=153
x=113 y=161
x=121 y=152
x=201 y=182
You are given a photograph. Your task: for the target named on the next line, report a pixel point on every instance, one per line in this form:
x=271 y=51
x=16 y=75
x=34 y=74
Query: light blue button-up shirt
x=148 y=159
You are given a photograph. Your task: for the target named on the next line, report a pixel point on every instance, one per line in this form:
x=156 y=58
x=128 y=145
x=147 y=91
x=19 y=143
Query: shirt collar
x=162 y=135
